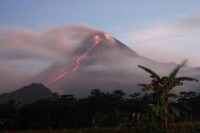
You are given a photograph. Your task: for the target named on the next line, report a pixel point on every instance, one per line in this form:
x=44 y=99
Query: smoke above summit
x=47 y=55
x=16 y=44
x=25 y=53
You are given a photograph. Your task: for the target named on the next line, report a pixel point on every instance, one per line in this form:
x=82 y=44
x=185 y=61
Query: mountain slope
x=103 y=62
x=27 y=94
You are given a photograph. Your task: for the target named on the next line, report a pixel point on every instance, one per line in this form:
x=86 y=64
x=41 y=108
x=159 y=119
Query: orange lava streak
x=62 y=72
x=78 y=61
x=83 y=56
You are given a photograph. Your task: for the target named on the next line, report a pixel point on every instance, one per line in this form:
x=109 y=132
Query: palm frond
x=155 y=109
x=187 y=79
x=175 y=71
x=153 y=74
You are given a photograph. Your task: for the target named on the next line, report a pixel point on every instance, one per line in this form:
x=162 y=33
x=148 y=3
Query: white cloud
x=148 y=34
x=171 y=41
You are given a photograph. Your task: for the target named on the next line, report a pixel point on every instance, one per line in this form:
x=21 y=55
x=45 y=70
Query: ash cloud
x=25 y=53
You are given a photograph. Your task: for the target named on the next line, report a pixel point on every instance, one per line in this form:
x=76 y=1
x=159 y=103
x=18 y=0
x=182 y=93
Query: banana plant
x=161 y=87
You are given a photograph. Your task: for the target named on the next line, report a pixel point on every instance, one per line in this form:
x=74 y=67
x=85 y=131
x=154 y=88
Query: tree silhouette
x=161 y=87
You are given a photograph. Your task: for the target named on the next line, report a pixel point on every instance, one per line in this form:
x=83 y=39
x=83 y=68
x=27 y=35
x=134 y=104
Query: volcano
x=103 y=62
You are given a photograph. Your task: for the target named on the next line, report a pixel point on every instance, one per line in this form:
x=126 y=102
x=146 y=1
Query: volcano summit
x=103 y=62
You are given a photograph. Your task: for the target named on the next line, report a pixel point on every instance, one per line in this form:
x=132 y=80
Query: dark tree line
x=98 y=109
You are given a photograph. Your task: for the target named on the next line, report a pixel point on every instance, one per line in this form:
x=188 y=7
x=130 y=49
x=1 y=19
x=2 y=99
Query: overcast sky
x=166 y=30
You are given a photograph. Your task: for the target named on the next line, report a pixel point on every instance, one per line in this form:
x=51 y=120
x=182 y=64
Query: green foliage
x=99 y=109
x=98 y=112
x=153 y=75
x=161 y=87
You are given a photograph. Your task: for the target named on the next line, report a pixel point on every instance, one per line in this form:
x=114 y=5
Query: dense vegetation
x=99 y=109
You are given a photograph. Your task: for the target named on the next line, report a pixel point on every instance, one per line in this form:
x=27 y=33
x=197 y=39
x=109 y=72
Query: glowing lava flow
x=79 y=60
x=62 y=72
